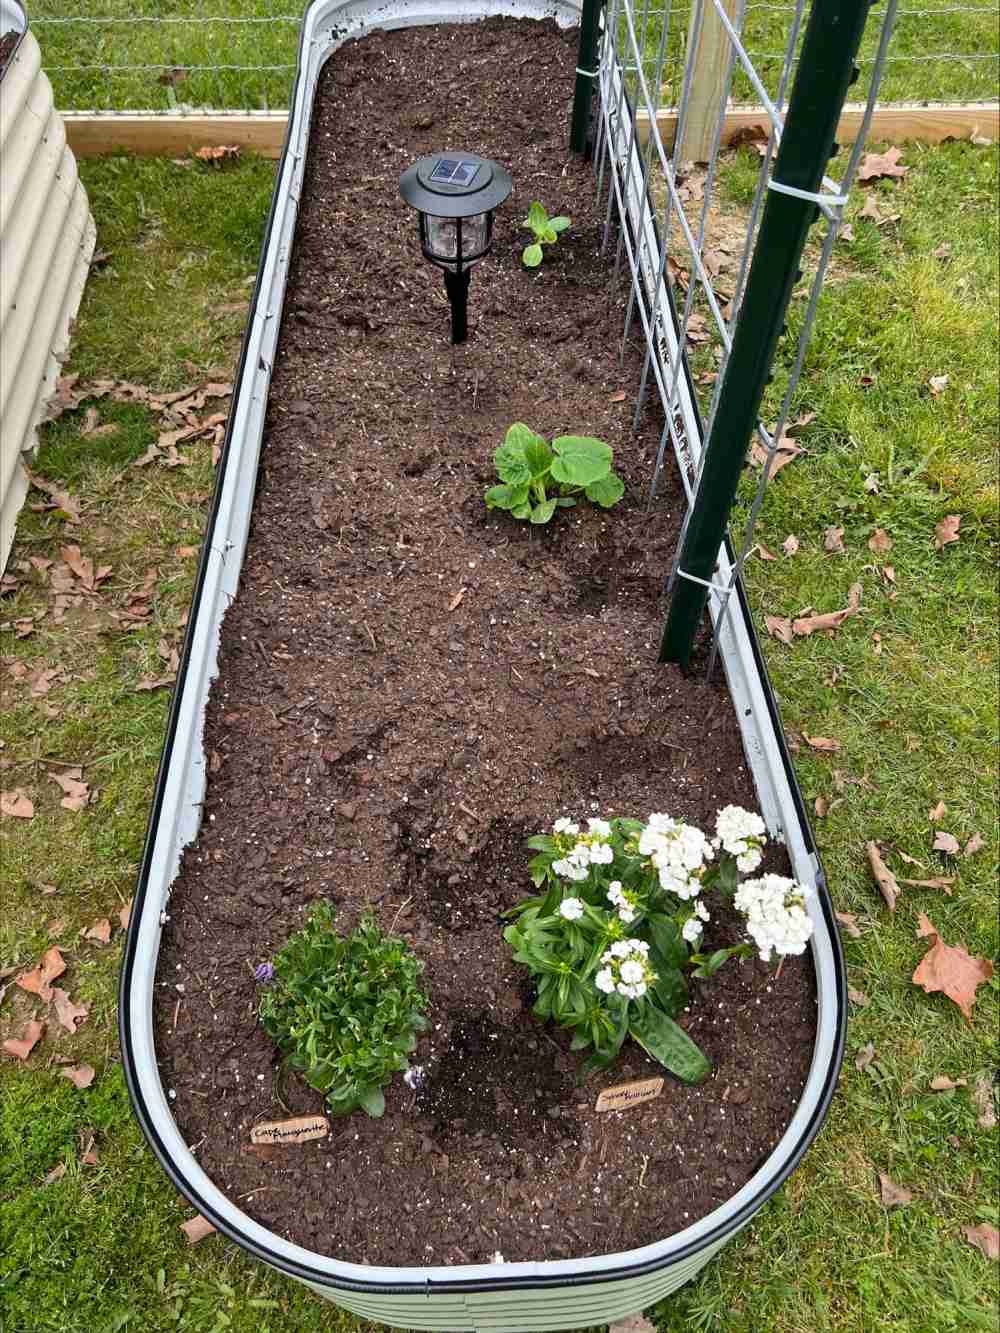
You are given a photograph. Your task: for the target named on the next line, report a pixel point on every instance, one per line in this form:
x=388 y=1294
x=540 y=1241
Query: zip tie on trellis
x=823 y=200
x=723 y=589
x=587 y=73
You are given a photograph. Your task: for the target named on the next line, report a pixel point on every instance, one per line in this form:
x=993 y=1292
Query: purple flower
x=264 y=972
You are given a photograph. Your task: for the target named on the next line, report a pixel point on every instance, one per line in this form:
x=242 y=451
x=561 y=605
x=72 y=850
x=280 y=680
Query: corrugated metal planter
x=519 y=1296
x=46 y=241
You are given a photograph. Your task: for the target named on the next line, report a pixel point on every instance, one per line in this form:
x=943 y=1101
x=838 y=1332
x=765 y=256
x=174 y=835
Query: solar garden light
x=455 y=195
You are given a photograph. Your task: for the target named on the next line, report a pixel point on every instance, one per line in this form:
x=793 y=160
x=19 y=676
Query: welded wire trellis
x=112 y=58
x=671 y=224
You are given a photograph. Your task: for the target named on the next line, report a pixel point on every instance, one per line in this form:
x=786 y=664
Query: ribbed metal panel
x=46 y=240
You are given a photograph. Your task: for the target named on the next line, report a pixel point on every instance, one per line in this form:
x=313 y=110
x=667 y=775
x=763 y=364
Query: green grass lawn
x=908 y=687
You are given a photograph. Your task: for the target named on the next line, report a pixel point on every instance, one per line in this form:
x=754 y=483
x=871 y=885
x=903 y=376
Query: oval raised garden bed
x=407 y=687
x=46 y=240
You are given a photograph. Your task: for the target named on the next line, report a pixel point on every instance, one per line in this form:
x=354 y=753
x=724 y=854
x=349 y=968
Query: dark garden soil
x=410 y=686
x=7 y=43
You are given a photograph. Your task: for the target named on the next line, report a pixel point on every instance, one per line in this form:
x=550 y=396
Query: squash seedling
x=575 y=463
x=546 y=232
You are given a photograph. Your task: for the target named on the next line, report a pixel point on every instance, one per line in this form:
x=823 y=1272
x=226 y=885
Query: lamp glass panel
x=442 y=237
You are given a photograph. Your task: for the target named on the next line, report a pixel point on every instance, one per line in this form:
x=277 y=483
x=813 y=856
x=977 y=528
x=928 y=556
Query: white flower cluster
x=678 y=851
x=743 y=834
x=621 y=900
x=591 y=848
x=692 y=928
x=776 y=914
x=571 y=909
x=626 y=969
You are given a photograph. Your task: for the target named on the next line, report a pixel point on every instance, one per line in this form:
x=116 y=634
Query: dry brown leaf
x=822 y=807
x=876 y=165
x=942 y=882
x=946 y=842
x=456 y=601
x=825 y=744
x=828 y=620
x=857 y=997
x=949 y=969
x=791 y=544
x=197 y=1228
x=785 y=453
x=833 y=541
x=70 y=1015
x=157 y=683
x=884 y=878
x=938 y=812
x=99 y=932
x=125 y=914
x=21 y=1047
x=986 y=1238
x=77 y=793
x=850 y=923
x=910 y=860
x=893 y=1195
x=947 y=531
x=942 y=1083
x=973 y=845
x=56 y=1173
x=635 y=1323
x=151 y=455
x=54 y=929
x=217 y=153
x=880 y=541
x=17 y=804
x=59 y=500
x=937 y=385
x=985 y=1102
x=865 y=1056
x=618 y=397
x=81 y=1076
x=763 y=552
x=780 y=627
x=38 y=980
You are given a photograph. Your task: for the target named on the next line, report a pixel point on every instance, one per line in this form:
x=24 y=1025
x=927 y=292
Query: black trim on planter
x=318 y=1276
x=17 y=44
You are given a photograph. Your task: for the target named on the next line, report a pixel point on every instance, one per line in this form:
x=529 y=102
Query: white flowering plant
x=620 y=920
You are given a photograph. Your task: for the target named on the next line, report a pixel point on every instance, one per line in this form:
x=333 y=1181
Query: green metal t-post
x=826 y=69
x=586 y=72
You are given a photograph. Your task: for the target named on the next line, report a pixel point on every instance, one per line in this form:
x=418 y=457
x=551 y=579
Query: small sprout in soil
x=345 y=1011
x=574 y=463
x=546 y=231
x=621 y=915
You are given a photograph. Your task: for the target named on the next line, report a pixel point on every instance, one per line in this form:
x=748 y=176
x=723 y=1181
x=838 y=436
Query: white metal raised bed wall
x=46 y=242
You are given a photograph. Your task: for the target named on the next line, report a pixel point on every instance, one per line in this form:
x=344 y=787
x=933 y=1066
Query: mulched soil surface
x=410 y=686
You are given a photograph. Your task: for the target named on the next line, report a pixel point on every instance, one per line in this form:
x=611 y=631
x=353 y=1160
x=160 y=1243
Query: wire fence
x=241 y=55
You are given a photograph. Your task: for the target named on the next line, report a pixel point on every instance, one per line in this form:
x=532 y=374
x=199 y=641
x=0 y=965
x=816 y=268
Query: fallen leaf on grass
x=780 y=627
x=937 y=813
x=185 y=552
x=217 y=153
x=54 y=929
x=196 y=1229
x=83 y=567
x=88 y=1153
x=942 y=882
x=81 y=1076
x=973 y=845
x=876 y=165
x=23 y=629
x=833 y=541
x=946 y=531
x=857 y=997
x=791 y=544
x=850 y=923
x=635 y=1323
x=893 y=1195
x=70 y=1015
x=985 y=1238
x=880 y=541
x=59 y=500
x=56 y=1173
x=937 y=385
x=785 y=453
x=884 y=878
x=125 y=915
x=985 y=1103
x=942 y=1083
x=151 y=455
x=763 y=552
x=946 y=842
x=822 y=807
x=828 y=620
x=870 y=211
x=865 y=1056
x=949 y=969
x=158 y=683
x=77 y=792
x=16 y=804
x=825 y=744
x=38 y=980
x=21 y=1047
x=99 y=932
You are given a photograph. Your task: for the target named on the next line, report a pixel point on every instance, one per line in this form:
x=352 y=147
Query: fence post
x=586 y=74
x=826 y=68
x=708 y=75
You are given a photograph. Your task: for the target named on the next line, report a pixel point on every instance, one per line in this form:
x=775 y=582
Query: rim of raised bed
x=180 y=782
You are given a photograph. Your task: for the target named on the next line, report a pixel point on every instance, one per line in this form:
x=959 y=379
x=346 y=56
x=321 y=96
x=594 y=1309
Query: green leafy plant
x=344 y=1011
x=574 y=464
x=546 y=232
x=621 y=918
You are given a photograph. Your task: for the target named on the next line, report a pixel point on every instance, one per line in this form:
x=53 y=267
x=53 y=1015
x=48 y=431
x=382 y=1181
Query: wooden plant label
x=298 y=1130
x=624 y=1095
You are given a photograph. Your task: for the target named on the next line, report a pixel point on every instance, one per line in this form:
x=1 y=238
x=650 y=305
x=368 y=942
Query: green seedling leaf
x=558 y=224
x=543 y=512
x=669 y=1044
x=582 y=459
x=522 y=510
x=373 y=1102
x=538 y=457
x=531 y=255
x=606 y=491
x=566 y=502
x=503 y=497
x=537 y=217
x=548 y=236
